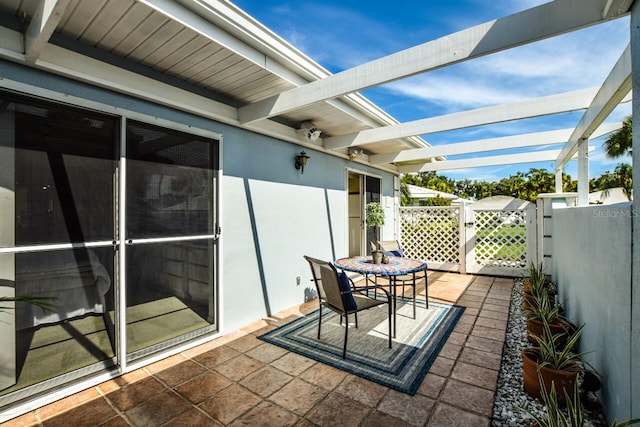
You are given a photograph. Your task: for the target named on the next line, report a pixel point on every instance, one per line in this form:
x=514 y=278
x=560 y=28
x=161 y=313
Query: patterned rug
x=403 y=367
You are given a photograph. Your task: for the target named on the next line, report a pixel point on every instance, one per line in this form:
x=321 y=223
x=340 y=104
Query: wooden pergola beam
x=550 y=19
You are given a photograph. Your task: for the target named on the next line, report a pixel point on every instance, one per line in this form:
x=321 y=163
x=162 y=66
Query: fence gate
x=495 y=236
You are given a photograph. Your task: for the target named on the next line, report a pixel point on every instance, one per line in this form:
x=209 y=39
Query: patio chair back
x=325 y=276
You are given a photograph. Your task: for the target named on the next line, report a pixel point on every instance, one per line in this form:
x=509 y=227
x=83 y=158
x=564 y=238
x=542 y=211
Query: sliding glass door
x=57 y=202
x=361 y=189
x=170 y=236
x=109 y=226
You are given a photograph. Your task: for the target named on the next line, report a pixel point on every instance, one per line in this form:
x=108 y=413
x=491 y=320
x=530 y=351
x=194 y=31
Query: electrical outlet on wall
x=298 y=281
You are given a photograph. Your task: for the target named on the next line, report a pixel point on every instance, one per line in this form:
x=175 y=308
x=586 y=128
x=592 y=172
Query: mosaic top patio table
x=397 y=266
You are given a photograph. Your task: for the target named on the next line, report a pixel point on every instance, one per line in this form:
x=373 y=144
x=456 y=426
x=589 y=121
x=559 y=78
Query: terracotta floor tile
x=450 y=351
x=488 y=314
x=497 y=302
x=67 y=403
x=431 y=385
x=411 y=409
x=463 y=328
x=239 y=367
x=337 y=410
x=230 y=403
x=457 y=338
x=179 y=373
x=158 y=410
x=245 y=343
x=117 y=421
x=467 y=319
x=361 y=390
x=490 y=333
x=28 y=419
x=446 y=416
x=298 y=396
x=192 y=417
x=469 y=303
x=266 y=381
x=266 y=353
x=266 y=414
x=216 y=356
x=132 y=395
x=469 y=397
x=480 y=358
x=442 y=366
x=484 y=344
x=469 y=296
x=475 y=375
x=492 y=323
x=83 y=415
x=203 y=387
x=293 y=363
x=201 y=349
x=494 y=307
x=380 y=419
x=505 y=297
x=324 y=376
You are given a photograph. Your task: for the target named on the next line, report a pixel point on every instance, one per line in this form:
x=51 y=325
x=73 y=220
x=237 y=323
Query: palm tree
x=619 y=143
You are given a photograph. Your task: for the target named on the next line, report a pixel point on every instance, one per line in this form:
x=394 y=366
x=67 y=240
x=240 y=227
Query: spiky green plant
x=559 y=358
x=573 y=416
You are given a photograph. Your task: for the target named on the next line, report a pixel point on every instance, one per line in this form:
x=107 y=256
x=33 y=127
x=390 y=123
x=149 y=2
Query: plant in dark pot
x=557 y=364
x=375 y=218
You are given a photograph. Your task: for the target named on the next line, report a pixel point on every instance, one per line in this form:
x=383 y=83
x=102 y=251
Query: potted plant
x=375 y=218
x=544 y=311
x=572 y=416
x=535 y=285
x=557 y=364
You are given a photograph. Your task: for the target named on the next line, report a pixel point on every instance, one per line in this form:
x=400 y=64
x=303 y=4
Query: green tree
x=622 y=176
x=619 y=143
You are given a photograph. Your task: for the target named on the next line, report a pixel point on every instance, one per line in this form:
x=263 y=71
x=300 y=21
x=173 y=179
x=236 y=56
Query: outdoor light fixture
x=309 y=131
x=301 y=160
x=354 y=152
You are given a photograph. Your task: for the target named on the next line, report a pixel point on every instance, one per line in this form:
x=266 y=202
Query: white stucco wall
x=592 y=266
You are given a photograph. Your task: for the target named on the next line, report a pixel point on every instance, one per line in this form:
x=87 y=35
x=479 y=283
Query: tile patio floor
x=240 y=380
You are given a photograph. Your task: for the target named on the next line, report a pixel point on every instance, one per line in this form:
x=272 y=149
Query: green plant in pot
x=544 y=311
x=536 y=285
x=557 y=364
x=375 y=218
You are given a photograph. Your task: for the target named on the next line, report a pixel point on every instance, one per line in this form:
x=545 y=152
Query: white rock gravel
x=512 y=404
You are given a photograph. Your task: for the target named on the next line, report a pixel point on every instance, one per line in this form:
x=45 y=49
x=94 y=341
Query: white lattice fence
x=431 y=233
x=501 y=238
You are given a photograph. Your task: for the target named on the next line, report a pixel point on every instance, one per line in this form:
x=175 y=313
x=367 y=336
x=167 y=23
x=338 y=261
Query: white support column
x=635 y=238
x=559 y=185
x=583 y=172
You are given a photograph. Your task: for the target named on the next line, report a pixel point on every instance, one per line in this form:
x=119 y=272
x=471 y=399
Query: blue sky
x=342 y=34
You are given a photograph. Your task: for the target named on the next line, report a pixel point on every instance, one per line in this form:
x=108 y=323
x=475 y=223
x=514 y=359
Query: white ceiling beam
x=42 y=25
x=491 y=144
x=613 y=91
x=478 y=146
x=551 y=104
x=507 y=159
x=530 y=25
x=615 y=8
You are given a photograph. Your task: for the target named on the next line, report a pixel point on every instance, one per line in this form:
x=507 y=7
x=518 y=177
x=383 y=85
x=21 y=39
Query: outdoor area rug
x=402 y=367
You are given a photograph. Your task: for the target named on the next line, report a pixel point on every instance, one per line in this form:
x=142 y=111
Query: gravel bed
x=512 y=405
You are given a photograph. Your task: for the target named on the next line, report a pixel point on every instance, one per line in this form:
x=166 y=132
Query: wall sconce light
x=301 y=160
x=354 y=152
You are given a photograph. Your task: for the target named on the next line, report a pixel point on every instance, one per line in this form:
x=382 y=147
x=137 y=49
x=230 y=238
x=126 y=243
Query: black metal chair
x=393 y=248
x=338 y=293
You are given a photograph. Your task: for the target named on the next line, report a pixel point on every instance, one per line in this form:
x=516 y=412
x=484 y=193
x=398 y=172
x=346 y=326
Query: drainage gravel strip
x=512 y=405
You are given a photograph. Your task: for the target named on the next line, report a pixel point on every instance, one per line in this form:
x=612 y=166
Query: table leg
x=414 y=294
x=393 y=283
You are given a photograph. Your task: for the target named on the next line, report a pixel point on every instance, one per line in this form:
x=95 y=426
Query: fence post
x=462 y=242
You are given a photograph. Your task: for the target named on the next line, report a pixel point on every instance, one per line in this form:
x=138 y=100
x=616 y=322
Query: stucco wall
x=592 y=266
x=272 y=215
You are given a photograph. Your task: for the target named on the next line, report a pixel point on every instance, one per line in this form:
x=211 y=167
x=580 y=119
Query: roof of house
x=210 y=58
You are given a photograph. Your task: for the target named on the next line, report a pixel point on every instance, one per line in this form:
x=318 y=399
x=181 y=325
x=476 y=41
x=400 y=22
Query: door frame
x=363 y=228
